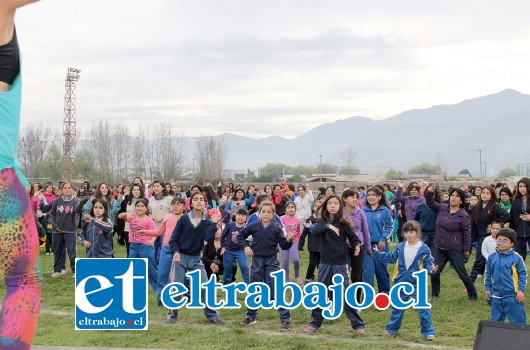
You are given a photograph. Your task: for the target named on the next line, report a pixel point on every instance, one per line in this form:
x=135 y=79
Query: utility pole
x=480 y=161
x=320 y=155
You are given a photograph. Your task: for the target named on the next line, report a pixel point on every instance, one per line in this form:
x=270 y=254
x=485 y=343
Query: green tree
x=328 y=168
x=274 y=171
x=393 y=174
x=465 y=172
x=84 y=164
x=507 y=173
x=303 y=170
x=53 y=163
x=426 y=168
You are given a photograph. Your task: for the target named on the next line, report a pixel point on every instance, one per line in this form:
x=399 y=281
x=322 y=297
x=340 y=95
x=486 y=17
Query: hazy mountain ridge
x=453 y=133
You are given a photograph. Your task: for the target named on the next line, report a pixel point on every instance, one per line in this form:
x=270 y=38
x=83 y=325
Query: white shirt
x=410 y=253
x=489 y=246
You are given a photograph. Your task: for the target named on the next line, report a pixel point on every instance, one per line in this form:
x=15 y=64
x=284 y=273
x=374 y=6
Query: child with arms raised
x=411 y=255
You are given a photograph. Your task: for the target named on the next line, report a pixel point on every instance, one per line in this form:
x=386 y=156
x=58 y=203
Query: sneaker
x=287 y=325
x=430 y=337
x=299 y=281
x=310 y=329
x=479 y=276
x=248 y=321
x=307 y=281
x=56 y=274
x=47 y=253
x=360 y=331
x=170 y=320
x=465 y=290
x=160 y=303
x=218 y=320
x=387 y=333
x=73 y=276
x=51 y=253
x=358 y=311
x=63 y=271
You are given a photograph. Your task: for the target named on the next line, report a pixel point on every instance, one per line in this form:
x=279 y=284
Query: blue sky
x=261 y=68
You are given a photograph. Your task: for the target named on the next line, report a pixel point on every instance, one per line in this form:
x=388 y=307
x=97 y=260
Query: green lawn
x=454 y=317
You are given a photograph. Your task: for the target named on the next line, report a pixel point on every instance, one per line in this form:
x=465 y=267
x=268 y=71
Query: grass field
x=454 y=318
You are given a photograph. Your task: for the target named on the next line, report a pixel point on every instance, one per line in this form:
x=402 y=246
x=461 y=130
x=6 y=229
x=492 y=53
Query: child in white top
x=489 y=244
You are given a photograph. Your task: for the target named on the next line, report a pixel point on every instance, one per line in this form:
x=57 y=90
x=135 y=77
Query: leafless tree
x=349 y=156
x=34 y=141
x=441 y=163
x=211 y=153
x=120 y=154
x=139 y=152
x=101 y=145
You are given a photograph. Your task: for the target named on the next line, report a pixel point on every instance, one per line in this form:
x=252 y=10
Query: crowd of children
x=216 y=231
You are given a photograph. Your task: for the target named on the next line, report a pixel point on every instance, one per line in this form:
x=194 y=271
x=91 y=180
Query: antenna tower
x=69 y=133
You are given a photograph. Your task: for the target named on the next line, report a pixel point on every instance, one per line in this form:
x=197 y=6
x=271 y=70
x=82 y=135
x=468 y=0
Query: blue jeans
x=325 y=275
x=164 y=267
x=186 y=264
x=373 y=265
x=507 y=307
x=396 y=318
x=63 y=242
x=261 y=270
x=139 y=250
x=228 y=259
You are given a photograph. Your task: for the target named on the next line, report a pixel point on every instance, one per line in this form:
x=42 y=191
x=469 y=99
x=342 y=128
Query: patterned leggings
x=19 y=262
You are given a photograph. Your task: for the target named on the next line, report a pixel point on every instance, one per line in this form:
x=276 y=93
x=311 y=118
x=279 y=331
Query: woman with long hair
x=520 y=216
x=484 y=213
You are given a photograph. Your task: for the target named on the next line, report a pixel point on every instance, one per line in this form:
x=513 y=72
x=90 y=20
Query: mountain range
x=447 y=135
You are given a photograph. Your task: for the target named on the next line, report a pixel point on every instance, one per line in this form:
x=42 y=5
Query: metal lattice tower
x=69 y=133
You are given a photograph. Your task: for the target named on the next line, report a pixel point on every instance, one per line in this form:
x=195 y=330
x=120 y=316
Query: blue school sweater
x=265 y=239
x=188 y=239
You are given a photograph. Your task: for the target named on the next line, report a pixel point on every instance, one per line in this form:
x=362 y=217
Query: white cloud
x=247 y=67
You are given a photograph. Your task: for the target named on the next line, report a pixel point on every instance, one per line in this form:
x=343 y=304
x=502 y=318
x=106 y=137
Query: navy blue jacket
x=229 y=237
x=426 y=217
x=188 y=239
x=101 y=242
x=314 y=244
x=265 y=240
x=485 y=218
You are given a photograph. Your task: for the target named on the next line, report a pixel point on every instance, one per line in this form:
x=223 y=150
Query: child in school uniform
x=186 y=246
x=267 y=235
x=505 y=281
x=411 y=255
x=232 y=250
x=97 y=237
x=334 y=229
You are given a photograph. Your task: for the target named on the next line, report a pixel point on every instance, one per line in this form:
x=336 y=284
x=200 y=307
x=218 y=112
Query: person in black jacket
x=520 y=216
x=483 y=214
x=313 y=243
x=334 y=228
x=212 y=256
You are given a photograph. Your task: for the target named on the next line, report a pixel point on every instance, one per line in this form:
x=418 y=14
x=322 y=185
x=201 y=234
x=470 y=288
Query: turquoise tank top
x=9 y=128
